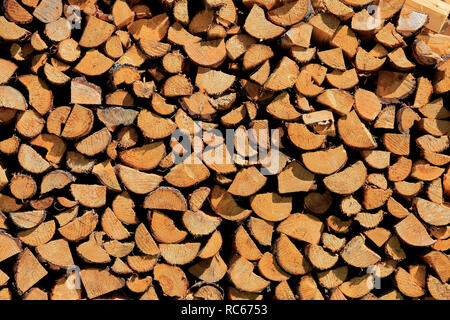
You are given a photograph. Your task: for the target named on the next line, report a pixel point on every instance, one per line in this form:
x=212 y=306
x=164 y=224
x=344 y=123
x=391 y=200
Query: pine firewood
x=308 y=290
x=259 y=27
x=22 y=186
x=313 y=160
x=432 y=213
x=348 y=180
x=28 y=219
x=9 y=204
x=172 y=280
x=107 y=282
x=438 y=290
x=10 y=31
x=10 y=246
x=11 y=98
x=298 y=35
x=28 y=271
x=242 y=276
x=223 y=204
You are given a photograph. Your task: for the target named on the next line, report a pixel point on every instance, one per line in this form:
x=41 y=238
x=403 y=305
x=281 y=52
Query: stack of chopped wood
x=351 y=202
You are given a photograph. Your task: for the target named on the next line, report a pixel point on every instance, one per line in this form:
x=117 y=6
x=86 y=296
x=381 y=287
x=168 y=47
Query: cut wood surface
x=224 y=149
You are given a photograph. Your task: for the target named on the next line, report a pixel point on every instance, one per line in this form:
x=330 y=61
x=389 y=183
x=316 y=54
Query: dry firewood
x=95 y=143
x=10 y=31
x=423 y=54
x=281 y=108
x=116 y=116
x=432 y=213
x=141 y=263
x=357 y=287
x=57 y=179
x=295 y=178
x=180 y=36
x=84 y=92
x=403 y=84
x=242 y=276
x=10 y=146
x=207 y=53
x=256 y=55
x=137 y=285
x=172 y=280
x=80 y=228
x=22 y=186
x=120 y=97
x=28 y=219
x=342 y=79
x=67 y=216
x=333 y=58
x=325 y=25
x=165 y=198
x=154 y=28
x=153 y=126
x=223 y=204
x=245 y=246
x=320 y=258
x=397 y=143
x=122 y=74
x=259 y=27
x=8 y=69
x=179 y=254
x=271 y=206
x=112 y=226
x=437 y=289
x=302 y=227
x=198 y=106
x=336 y=156
x=290 y=13
x=92 y=251
x=439 y=262
x=304 y=139
x=298 y=35
x=284 y=76
x=332 y=242
x=9 y=204
x=433 y=144
x=10 y=246
x=212 y=246
x=212 y=81
x=107 y=282
x=354 y=133
x=32 y=161
x=386 y=118
x=137 y=181
x=269 y=268
x=11 y=98
x=308 y=290
x=406 y=118
x=411 y=231
x=339 y=101
x=348 y=180
x=400 y=170
x=407 y=284
x=27 y=271
x=332 y=278
x=366 y=24
x=118 y=249
x=367 y=63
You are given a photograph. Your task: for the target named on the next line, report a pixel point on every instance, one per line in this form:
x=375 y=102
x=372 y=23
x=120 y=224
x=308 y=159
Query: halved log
x=242 y=276
x=348 y=180
x=412 y=231
x=259 y=27
x=303 y=227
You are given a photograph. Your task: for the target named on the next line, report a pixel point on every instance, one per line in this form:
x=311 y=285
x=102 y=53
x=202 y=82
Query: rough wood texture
x=225 y=149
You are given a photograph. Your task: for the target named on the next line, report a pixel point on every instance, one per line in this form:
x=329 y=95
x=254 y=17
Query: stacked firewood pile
x=224 y=149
